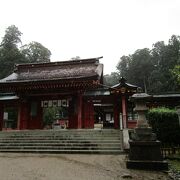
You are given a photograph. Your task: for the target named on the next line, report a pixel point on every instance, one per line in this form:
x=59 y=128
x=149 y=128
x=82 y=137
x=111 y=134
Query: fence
x=167 y=151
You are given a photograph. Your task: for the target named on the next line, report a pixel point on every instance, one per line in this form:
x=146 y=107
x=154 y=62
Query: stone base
x=147 y=165
x=145 y=151
x=146 y=155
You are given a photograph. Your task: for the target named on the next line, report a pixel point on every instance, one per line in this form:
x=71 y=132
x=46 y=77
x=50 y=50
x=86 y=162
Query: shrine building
x=75 y=85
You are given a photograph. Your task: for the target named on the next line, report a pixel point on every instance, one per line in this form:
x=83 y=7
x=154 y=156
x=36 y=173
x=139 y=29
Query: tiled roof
x=63 y=70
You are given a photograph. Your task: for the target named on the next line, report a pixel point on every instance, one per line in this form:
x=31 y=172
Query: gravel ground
x=70 y=167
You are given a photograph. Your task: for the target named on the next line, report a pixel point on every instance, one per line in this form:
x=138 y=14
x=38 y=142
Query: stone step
x=61 y=143
x=64 y=141
x=62 y=151
x=60 y=140
x=75 y=135
x=60 y=131
x=64 y=145
x=62 y=135
x=59 y=147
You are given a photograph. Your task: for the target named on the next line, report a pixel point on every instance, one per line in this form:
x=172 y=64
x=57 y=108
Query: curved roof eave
x=43 y=80
x=124 y=85
x=11 y=77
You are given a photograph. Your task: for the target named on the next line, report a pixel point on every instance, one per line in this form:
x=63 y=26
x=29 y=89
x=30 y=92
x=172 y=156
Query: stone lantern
x=145 y=150
x=142 y=131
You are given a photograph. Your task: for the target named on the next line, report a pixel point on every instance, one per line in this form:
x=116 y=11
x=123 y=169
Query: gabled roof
x=74 y=74
x=122 y=83
x=63 y=70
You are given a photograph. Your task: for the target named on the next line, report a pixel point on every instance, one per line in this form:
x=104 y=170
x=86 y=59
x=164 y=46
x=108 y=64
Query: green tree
x=123 y=66
x=152 y=69
x=140 y=67
x=176 y=73
x=166 y=57
x=35 y=52
x=156 y=78
x=111 y=79
x=49 y=115
x=12 y=37
x=137 y=67
x=12 y=53
x=9 y=52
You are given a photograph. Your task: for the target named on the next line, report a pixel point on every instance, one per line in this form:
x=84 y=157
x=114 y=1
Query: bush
x=165 y=124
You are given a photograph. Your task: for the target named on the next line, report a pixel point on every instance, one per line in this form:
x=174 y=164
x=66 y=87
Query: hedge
x=165 y=124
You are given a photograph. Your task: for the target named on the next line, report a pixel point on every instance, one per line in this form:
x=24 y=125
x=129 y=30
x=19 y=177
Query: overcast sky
x=92 y=28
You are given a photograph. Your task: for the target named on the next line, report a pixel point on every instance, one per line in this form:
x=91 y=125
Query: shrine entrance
x=104 y=117
x=55 y=114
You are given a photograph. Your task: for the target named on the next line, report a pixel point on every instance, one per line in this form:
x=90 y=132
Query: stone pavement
x=70 y=167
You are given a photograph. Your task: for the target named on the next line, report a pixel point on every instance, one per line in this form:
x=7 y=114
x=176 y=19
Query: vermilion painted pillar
x=88 y=114
x=36 y=115
x=40 y=116
x=23 y=116
x=71 y=113
x=91 y=115
x=85 y=114
x=116 y=116
x=75 y=112
x=1 y=116
x=124 y=111
x=79 y=111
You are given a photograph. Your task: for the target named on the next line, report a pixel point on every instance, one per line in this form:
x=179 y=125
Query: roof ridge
x=46 y=64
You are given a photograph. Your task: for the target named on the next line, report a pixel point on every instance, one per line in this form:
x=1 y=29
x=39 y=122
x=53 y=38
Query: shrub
x=165 y=124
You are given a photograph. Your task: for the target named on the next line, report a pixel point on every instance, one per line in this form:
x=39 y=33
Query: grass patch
x=174 y=162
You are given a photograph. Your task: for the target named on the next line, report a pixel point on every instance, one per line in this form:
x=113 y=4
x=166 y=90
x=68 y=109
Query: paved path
x=69 y=167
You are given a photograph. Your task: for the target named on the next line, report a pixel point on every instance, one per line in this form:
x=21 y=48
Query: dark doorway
x=10 y=118
x=104 y=117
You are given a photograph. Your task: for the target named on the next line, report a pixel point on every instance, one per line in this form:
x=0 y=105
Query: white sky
x=92 y=28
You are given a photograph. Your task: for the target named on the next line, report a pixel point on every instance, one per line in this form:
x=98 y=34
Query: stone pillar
x=23 y=116
x=1 y=116
x=124 y=111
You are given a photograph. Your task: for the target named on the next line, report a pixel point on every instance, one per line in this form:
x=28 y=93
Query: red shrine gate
x=33 y=87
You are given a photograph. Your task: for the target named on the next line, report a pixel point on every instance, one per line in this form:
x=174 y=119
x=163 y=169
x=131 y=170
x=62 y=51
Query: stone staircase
x=107 y=141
